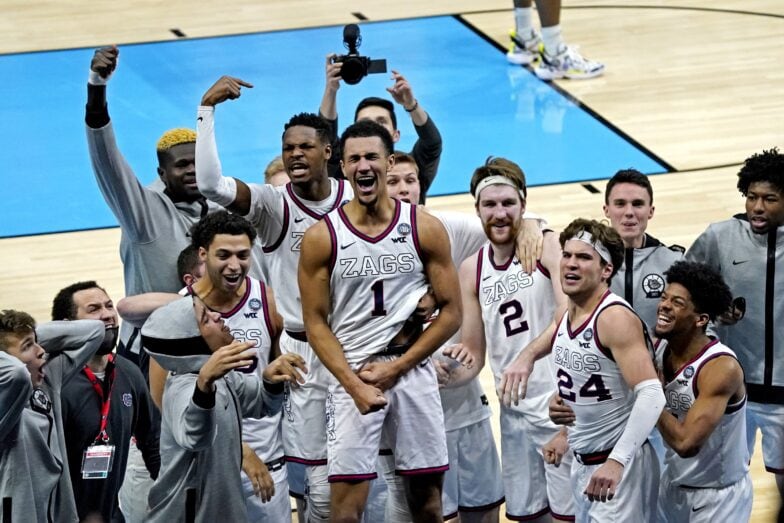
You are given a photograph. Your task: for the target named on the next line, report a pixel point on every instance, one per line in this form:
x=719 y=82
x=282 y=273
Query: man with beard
x=748 y=251
x=281 y=215
x=604 y=372
x=706 y=475
x=504 y=308
x=103 y=406
x=362 y=273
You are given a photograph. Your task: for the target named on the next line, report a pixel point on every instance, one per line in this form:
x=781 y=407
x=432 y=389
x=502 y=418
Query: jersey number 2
x=516 y=312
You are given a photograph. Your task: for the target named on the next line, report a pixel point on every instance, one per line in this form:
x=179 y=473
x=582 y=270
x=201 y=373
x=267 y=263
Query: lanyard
x=105 y=401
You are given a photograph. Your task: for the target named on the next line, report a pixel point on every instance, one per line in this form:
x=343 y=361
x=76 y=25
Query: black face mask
x=109 y=341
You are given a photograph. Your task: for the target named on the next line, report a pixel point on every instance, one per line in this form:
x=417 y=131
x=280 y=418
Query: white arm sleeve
x=648 y=403
x=212 y=184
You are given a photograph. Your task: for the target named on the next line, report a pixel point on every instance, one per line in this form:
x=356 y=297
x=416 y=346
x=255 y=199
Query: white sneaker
x=567 y=64
x=524 y=51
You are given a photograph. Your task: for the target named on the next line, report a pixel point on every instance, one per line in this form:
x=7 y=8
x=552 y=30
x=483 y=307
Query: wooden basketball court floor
x=698 y=83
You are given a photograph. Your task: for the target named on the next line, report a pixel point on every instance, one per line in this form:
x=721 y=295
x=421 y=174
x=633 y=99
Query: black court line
x=360 y=16
x=644 y=6
x=650 y=154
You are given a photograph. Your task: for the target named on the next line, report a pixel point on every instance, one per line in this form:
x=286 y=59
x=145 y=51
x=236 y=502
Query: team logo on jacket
x=127 y=399
x=653 y=285
x=688 y=372
x=254 y=304
x=588 y=334
x=403 y=229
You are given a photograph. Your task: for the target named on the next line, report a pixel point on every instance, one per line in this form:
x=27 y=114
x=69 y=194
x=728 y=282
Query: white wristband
x=96 y=79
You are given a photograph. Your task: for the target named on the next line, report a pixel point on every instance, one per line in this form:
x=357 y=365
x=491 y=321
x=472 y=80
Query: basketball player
x=604 y=371
x=503 y=308
x=706 y=475
x=748 y=251
x=362 y=272
x=281 y=215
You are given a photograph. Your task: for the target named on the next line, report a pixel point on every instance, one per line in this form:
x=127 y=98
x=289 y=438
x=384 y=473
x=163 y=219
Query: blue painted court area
x=481 y=105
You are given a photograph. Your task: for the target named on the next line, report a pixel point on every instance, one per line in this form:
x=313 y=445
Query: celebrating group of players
x=354 y=385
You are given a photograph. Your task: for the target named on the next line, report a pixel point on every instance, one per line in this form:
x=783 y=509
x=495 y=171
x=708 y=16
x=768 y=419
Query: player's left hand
x=560 y=413
x=284 y=369
x=604 y=481
x=401 y=90
x=381 y=374
x=443 y=372
x=529 y=244
x=554 y=450
x=257 y=472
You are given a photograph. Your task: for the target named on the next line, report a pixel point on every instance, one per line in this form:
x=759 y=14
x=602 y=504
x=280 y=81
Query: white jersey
x=375 y=283
x=250 y=321
x=516 y=308
x=724 y=458
x=281 y=219
x=590 y=382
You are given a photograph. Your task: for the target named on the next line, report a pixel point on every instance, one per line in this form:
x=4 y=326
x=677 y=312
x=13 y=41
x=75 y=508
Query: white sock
x=523 y=19
x=553 y=41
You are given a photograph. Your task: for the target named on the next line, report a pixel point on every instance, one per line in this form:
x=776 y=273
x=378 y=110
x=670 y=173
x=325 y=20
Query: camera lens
x=352 y=71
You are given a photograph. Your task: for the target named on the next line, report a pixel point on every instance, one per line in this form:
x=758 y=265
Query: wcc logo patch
x=254 y=304
x=127 y=399
x=403 y=229
x=688 y=371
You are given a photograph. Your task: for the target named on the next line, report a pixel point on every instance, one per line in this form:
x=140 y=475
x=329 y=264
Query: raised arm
x=428 y=147
x=69 y=345
x=719 y=382
x=231 y=193
x=313 y=277
x=15 y=391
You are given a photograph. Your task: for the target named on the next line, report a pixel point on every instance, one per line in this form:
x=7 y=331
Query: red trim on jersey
x=561 y=517
x=481 y=508
x=479 y=267
x=283 y=230
x=588 y=320
x=607 y=352
x=307 y=210
x=697 y=356
x=418 y=472
x=501 y=267
x=241 y=304
x=365 y=237
x=303 y=461
x=351 y=477
x=415 y=232
x=528 y=517
x=333 y=240
x=543 y=269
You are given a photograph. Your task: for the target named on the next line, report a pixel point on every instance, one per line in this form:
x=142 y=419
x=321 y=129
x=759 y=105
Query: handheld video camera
x=355 y=67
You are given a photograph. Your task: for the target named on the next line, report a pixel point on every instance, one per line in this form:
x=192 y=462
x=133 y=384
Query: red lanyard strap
x=105 y=401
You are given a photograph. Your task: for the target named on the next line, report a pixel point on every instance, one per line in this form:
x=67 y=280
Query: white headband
x=496 y=180
x=585 y=237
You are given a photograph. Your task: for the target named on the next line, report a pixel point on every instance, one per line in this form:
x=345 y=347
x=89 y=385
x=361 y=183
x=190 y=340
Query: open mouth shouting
x=298 y=169
x=366 y=183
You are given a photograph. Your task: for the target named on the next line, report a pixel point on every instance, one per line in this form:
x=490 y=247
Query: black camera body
x=355 y=66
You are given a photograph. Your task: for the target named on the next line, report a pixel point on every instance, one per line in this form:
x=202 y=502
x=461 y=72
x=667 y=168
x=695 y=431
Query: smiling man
x=706 y=475
x=362 y=272
x=748 y=251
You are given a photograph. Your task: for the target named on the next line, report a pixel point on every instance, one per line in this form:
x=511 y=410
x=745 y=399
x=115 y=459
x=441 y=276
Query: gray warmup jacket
x=753 y=267
x=33 y=468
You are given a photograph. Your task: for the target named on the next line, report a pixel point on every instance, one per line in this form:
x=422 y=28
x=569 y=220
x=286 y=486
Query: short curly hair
x=767 y=166
x=367 y=129
x=601 y=232
x=221 y=222
x=314 y=121
x=16 y=323
x=709 y=293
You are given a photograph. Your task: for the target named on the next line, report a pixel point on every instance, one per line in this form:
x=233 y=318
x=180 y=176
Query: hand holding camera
x=354 y=67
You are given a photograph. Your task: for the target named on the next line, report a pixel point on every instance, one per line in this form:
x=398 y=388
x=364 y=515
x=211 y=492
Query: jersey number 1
x=378 y=299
